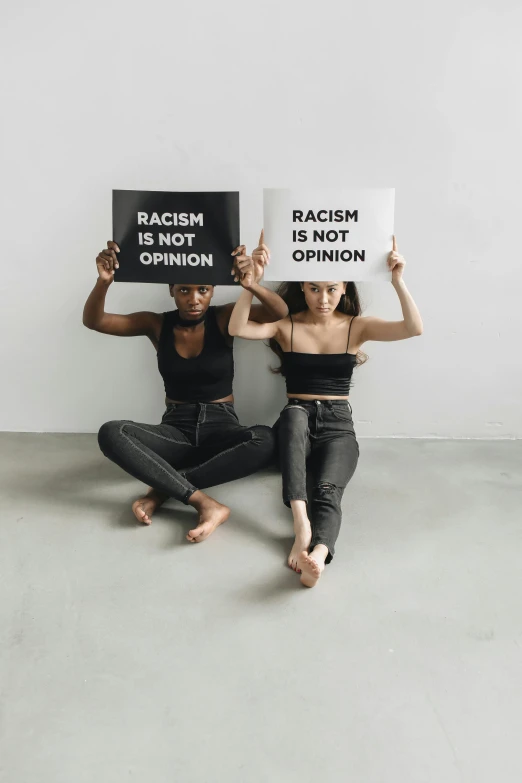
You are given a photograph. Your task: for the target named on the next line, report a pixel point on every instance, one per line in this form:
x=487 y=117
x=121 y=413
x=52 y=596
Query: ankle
x=319 y=553
x=198 y=499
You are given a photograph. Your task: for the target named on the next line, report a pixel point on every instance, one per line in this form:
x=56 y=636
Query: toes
x=196 y=535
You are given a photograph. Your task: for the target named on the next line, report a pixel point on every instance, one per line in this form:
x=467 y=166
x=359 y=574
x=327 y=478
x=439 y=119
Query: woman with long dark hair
x=319 y=344
x=199 y=442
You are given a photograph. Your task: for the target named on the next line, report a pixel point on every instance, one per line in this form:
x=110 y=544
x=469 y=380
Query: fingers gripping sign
x=107 y=262
x=261 y=254
x=396 y=262
x=241 y=263
x=248 y=270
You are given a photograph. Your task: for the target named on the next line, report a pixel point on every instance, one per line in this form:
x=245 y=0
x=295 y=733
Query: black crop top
x=202 y=378
x=318 y=373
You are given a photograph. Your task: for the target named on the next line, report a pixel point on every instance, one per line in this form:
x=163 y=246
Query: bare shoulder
x=297 y=317
x=357 y=323
x=284 y=326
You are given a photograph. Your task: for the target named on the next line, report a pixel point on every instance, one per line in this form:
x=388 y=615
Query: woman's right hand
x=107 y=262
x=261 y=256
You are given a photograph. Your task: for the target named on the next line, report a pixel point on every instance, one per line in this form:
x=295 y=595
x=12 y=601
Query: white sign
x=343 y=234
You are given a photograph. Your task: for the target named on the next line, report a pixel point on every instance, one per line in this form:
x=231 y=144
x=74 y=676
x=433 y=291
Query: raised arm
x=272 y=307
x=411 y=325
x=94 y=316
x=240 y=325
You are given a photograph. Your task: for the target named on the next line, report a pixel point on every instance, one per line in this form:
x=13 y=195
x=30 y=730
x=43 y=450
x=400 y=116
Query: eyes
x=202 y=290
x=315 y=290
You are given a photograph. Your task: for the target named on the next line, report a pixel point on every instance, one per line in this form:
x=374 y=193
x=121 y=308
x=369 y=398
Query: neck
x=324 y=320
x=188 y=323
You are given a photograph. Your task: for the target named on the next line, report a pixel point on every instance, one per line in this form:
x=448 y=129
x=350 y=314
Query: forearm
x=94 y=308
x=411 y=315
x=276 y=308
x=239 y=318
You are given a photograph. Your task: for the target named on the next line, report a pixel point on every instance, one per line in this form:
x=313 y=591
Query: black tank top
x=202 y=378
x=318 y=373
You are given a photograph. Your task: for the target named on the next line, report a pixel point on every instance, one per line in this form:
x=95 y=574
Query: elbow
x=90 y=324
x=232 y=330
x=417 y=331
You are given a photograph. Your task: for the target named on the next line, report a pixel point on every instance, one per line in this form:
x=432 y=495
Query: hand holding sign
x=107 y=262
x=241 y=262
x=249 y=269
x=396 y=263
x=261 y=255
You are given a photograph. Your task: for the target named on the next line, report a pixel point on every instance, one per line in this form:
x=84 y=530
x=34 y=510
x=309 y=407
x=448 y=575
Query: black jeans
x=197 y=445
x=318 y=436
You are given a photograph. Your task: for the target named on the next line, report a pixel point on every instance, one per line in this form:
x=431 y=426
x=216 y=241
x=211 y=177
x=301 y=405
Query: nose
x=323 y=298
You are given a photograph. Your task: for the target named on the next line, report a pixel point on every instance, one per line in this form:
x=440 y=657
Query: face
x=323 y=298
x=192 y=300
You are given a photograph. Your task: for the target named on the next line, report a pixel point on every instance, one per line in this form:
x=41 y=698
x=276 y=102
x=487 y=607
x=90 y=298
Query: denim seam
x=229 y=412
x=157 y=435
x=221 y=454
x=158 y=464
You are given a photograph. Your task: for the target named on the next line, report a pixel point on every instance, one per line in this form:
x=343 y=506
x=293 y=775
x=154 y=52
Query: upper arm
x=145 y=324
x=258 y=313
x=254 y=329
x=259 y=331
x=380 y=330
x=261 y=314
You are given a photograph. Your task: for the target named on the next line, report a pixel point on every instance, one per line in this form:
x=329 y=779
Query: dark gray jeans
x=197 y=445
x=317 y=441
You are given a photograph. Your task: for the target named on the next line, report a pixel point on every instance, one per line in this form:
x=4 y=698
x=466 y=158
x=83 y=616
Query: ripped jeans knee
x=324 y=488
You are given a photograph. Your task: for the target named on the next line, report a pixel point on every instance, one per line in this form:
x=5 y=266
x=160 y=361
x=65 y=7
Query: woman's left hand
x=249 y=269
x=244 y=269
x=396 y=263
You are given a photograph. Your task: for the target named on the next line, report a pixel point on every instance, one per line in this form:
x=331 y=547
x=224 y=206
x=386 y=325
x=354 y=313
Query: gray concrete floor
x=128 y=653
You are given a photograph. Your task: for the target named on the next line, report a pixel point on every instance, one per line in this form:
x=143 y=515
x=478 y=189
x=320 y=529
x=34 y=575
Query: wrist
x=101 y=283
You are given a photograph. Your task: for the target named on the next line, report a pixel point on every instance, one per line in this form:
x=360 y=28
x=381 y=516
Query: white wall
x=422 y=97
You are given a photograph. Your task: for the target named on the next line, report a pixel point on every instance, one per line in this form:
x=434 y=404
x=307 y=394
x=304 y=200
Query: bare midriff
x=313 y=397
x=230 y=398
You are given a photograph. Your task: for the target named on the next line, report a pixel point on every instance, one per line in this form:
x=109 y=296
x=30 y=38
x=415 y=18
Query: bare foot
x=311 y=569
x=303 y=533
x=303 y=537
x=211 y=515
x=144 y=507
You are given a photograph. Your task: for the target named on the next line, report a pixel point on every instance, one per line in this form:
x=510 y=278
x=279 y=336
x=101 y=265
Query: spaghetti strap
x=349 y=330
x=291 y=334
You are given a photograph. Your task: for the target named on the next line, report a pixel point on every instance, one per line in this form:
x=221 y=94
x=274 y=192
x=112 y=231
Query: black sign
x=175 y=237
